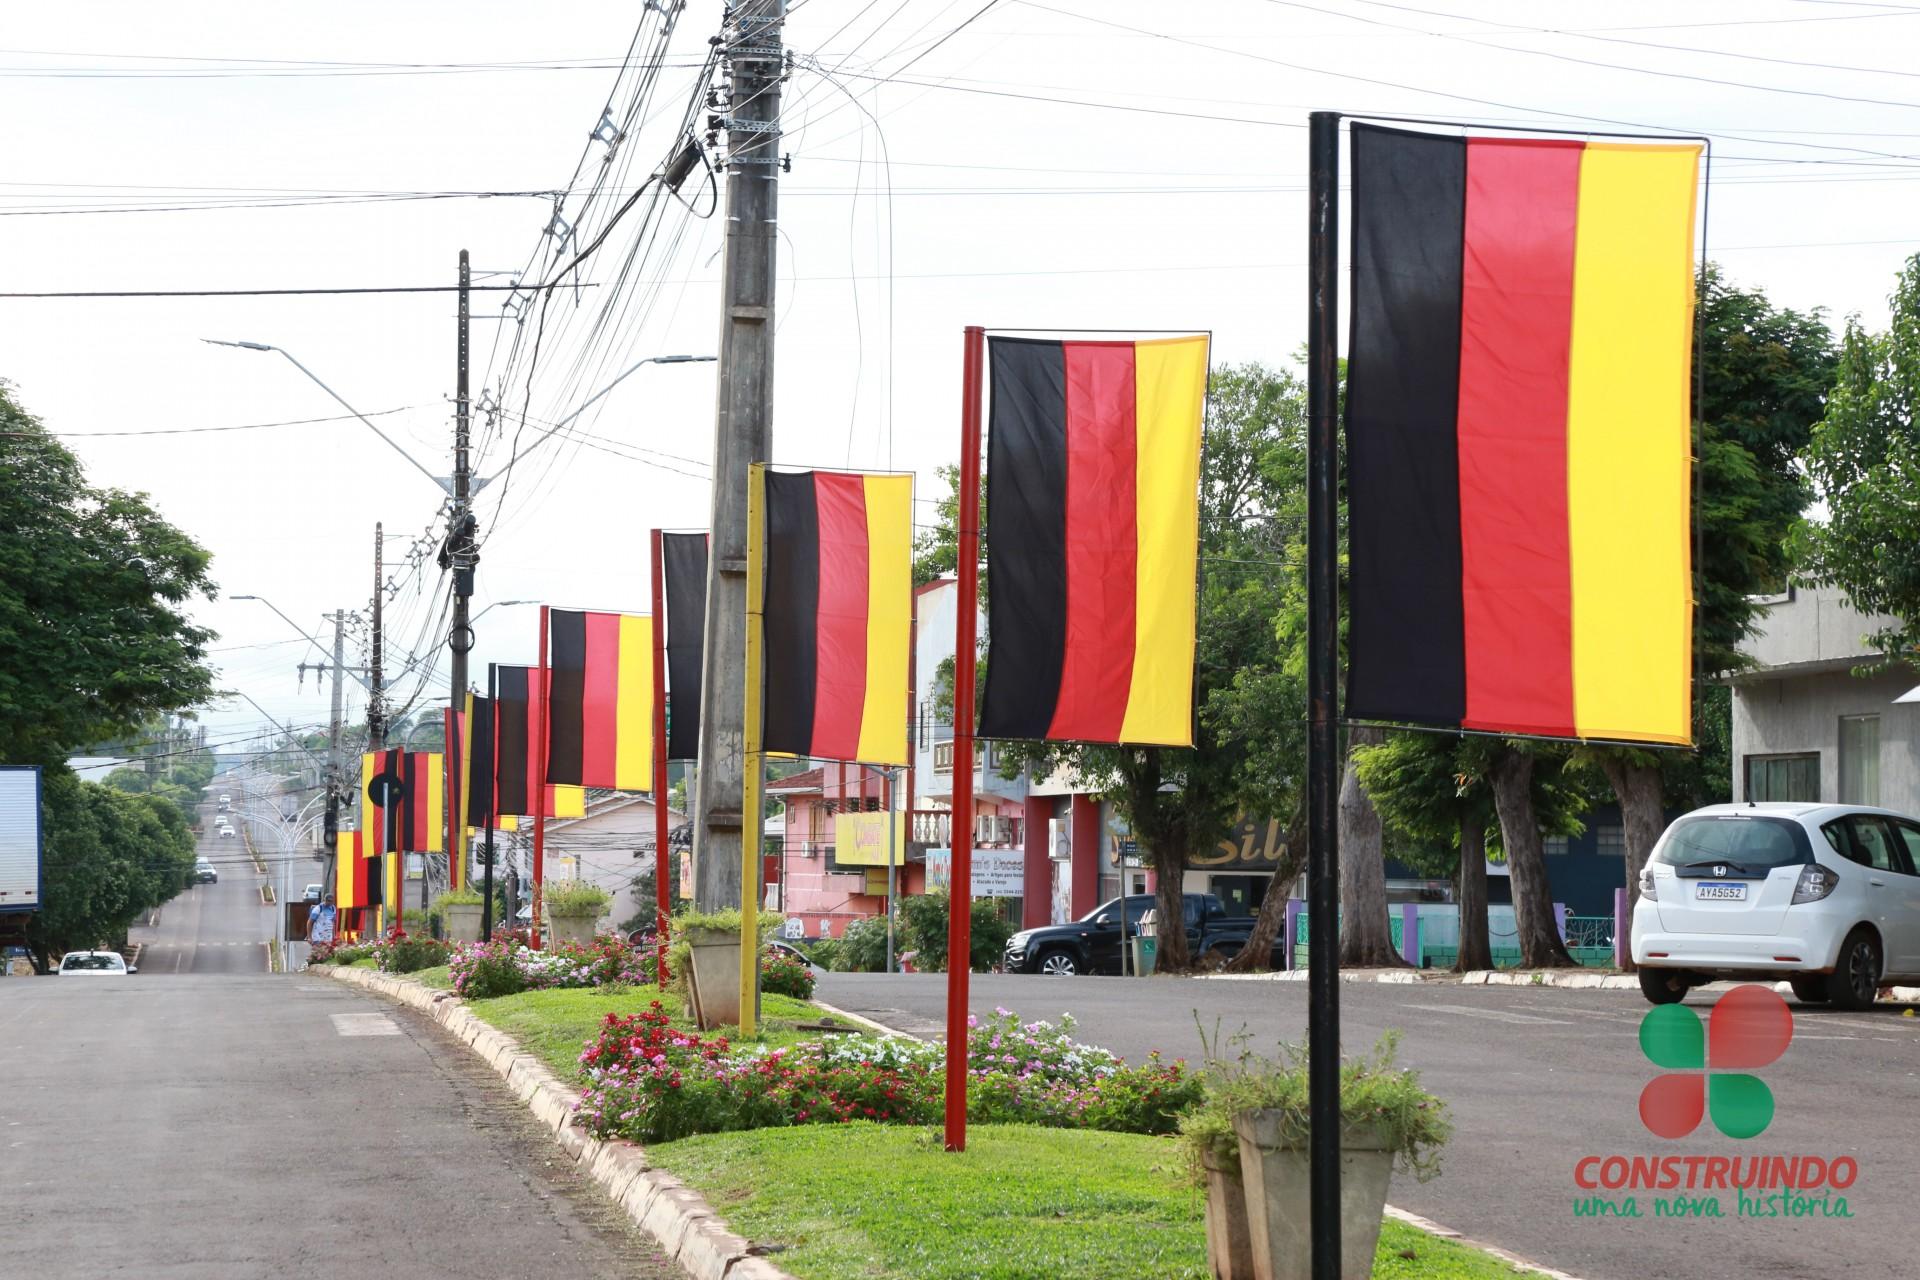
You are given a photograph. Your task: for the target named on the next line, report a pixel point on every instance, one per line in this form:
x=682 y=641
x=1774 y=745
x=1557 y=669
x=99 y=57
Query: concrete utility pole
x=461 y=560
x=743 y=431
x=376 y=714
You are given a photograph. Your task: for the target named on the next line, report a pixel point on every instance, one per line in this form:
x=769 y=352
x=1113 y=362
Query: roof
x=798 y=784
x=1800 y=809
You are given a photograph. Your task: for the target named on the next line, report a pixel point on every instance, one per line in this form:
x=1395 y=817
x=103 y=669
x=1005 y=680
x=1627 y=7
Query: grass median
x=871 y=1202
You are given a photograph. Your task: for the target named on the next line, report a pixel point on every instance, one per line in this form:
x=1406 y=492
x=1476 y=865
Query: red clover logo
x=1749 y=1028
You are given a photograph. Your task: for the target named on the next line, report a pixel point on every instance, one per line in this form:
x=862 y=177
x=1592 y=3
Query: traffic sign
x=386 y=789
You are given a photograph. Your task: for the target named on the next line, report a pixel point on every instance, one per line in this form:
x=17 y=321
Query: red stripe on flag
x=1102 y=526
x=1516 y=323
x=840 y=618
x=537 y=683
x=600 y=702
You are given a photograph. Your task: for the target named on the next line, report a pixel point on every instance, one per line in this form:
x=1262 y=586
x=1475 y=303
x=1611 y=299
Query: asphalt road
x=207 y=1120
x=1537 y=1078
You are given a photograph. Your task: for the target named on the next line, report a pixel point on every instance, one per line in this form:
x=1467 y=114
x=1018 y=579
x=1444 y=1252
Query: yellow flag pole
x=751 y=825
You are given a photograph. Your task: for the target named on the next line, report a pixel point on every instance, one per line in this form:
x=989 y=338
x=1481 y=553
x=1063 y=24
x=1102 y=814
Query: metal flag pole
x=662 y=862
x=960 y=888
x=893 y=858
x=486 y=871
x=537 y=727
x=752 y=825
x=1323 y=664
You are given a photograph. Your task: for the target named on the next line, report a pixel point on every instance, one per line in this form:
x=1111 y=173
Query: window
x=1872 y=843
x=1909 y=836
x=1611 y=840
x=1795 y=777
x=1555 y=845
x=1859 y=759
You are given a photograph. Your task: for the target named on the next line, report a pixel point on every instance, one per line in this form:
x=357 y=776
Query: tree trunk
x=1540 y=944
x=1643 y=815
x=1476 y=949
x=1366 y=936
x=1170 y=948
x=1258 y=953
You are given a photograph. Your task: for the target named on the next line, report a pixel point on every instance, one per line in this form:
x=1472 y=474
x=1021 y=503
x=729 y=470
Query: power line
x=281 y=293
x=187 y=431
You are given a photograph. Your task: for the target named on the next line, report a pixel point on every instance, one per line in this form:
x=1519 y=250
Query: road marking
x=1497 y=1015
x=364 y=1024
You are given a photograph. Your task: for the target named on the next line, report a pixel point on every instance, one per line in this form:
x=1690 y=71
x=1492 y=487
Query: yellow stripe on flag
x=392 y=901
x=1629 y=443
x=344 y=865
x=633 y=716
x=436 y=771
x=369 y=815
x=1169 y=389
x=883 y=715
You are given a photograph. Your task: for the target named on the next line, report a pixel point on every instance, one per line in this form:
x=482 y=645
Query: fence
x=1589 y=939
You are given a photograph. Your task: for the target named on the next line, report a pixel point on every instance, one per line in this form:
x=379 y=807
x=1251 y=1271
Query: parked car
x=1091 y=944
x=312 y=894
x=1824 y=896
x=788 y=949
x=203 y=872
x=95 y=964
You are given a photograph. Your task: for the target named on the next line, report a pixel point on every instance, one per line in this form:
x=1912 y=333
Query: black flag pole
x=1323 y=668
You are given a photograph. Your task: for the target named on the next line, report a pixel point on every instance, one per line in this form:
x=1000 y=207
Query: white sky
x=1005 y=211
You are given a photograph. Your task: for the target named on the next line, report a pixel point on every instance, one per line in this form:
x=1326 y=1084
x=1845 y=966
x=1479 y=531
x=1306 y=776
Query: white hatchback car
x=1825 y=896
x=95 y=964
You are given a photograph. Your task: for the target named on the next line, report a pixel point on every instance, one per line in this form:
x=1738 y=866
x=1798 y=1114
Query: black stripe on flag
x=683 y=563
x=791 y=606
x=1027 y=542
x=480 y=764
x=567 y=707
x=1406 y=651
x=510 y=744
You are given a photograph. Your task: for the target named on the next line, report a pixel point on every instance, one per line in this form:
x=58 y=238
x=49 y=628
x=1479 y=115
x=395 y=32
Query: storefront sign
x=997 y=873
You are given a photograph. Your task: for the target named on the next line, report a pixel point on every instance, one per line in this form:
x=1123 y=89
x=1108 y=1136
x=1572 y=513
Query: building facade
x=1805 y=727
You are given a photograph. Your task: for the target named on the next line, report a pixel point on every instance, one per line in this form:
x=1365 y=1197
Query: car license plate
x=1722 y=891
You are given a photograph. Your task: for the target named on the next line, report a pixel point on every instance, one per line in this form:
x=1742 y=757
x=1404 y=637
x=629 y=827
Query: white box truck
x=20 y=837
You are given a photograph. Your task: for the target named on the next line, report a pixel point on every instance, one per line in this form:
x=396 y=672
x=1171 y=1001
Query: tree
x=1366 y=934
x=93 y=584
x=1765 y=373
x=1250 y=737
x=1863 y=461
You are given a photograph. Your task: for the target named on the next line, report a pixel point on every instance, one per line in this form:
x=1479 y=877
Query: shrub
x=607 y=961
x=782 y=974
x=575 y=899
x=863 y=947
x=401 y=952
x=338 y=953
x=923 y=922
x=461 y=897
x=823 y=953
x=486 y=970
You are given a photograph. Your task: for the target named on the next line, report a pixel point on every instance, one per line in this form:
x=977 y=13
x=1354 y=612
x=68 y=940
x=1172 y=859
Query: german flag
x=600 y=710
x=418 y=820
x=684 y=614
x=1518 y=435
x=353 y=883
x=517 y=710
x=454 y=725
x=477 y=795
x=1093 y=482
x=837 y=613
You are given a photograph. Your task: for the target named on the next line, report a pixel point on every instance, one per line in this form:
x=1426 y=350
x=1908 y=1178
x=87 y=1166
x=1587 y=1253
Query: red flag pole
x=662 y=892
x=959 y=893
x=537 y=726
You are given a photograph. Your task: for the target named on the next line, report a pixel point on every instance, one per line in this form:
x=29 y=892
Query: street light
x=445 y=484
x=588 y=403
x=495 y=605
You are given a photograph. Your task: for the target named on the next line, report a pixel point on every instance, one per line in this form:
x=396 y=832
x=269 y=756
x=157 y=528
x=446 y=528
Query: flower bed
x=402 y=952
x=652 y=1082
x=507 y=966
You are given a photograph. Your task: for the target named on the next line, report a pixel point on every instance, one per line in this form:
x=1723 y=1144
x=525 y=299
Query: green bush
x=575 y=900
x=863 y=947
x=781 y=974
x=823 y=952
x=923 y=924
x=421 y=923
x=411 y=953
x=462 y=897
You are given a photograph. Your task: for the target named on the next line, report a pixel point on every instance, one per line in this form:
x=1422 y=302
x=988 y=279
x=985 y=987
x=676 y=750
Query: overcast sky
x=1110 y=164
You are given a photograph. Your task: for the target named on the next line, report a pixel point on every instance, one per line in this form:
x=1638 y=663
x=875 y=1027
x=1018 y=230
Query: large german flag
x=454 y=725
x=477 y=795
x=1518 y=437
x=684 y=614
x=600 y=709
x=518 y=710
x=1093 y=481
x=418 y=820
x=355 y=879
x=837 y=613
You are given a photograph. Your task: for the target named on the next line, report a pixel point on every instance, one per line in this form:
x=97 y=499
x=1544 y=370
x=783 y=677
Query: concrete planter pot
x=1273 y=1165
x=1229 y=1244
x=570 y=928
x=462 y=920
x=713 y=979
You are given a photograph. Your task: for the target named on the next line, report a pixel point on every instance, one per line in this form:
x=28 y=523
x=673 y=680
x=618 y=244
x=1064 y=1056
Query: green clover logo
x=1749 y=1027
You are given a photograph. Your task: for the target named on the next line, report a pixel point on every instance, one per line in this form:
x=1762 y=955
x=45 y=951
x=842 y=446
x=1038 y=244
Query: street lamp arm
x=586 y=404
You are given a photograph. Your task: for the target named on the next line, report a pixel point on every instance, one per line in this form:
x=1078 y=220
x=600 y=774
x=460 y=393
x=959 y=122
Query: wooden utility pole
x=460 y=561
x=743 y=431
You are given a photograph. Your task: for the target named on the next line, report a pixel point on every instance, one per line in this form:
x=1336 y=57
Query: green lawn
x=867 y=1202
x=440 y=977
x=555 y=1025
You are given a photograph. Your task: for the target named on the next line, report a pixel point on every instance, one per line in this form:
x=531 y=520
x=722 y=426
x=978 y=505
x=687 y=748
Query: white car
x=95 y=964
x=1825 y=896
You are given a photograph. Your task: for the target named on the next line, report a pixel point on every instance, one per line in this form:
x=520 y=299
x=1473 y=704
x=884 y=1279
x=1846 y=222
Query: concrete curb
x=1433 y=1228
x=676 y=1216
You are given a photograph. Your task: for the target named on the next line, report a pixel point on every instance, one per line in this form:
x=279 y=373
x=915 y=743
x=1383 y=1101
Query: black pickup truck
x=1091 y=944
